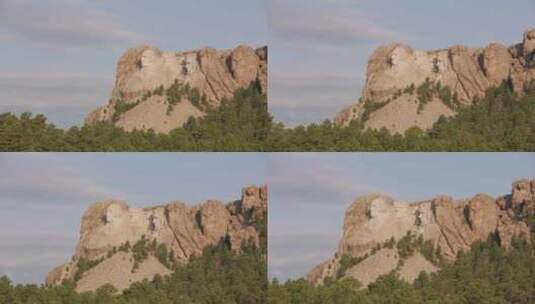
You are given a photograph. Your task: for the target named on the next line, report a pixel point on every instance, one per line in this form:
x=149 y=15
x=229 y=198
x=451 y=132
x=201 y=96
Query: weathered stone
x=186 y=230
x=467 y=72
x=216 y=74
x=452 y=226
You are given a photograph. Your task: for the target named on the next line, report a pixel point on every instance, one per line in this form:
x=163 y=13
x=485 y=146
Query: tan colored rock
x=509 y=228
x=186 y=230
x=368 y=271
x=152 y=114
x=528 y=45
x=482 y=214
x=523 y=195
x=468 y=72
x=117 y=271
x=455 y=234
x=497 y=63
x=216 y=74
x=453 y=226
x=214 y=221
x=414 y=265
x=402 y=114
x=244 y=63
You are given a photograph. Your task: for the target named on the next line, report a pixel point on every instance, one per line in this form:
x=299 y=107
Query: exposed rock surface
x=215 y=74
x=451 y=225
x=468 y=72
x=186 y=230
x=117 y=271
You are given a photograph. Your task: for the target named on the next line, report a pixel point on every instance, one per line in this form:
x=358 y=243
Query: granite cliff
x=407 y=87
x=162 y=90
x=120 y=245
x=382 y=235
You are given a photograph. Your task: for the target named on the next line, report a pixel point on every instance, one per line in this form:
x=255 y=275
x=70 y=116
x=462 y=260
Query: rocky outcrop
x=466 y=72
x=184 y=230
x=449 y=226
x=205 y=77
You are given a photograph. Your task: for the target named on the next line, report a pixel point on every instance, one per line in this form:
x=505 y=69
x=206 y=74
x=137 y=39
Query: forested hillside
x=501 y=121
x=218 y=276
x=240 y=124
x=487 y=274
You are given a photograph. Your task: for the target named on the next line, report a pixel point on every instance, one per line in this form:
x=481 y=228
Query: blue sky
x=44 y=195
x=59 y=56
x=309 y=193
x=319 y=49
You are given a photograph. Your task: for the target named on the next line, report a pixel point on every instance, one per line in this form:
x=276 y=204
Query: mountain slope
x=120 y=245
x=162 y=90
x=406 y=87
x=382 y=235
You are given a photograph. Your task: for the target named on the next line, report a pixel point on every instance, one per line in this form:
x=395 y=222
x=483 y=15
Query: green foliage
x=406 y=246
x=143 y=248
x=177 y=91
x=486 y=274
x=410 y=244
x=346 y=262
x=163 y=256
x=239 y=124
x=219 y=276
x=124 y=247
x=122 y=107
x=501 y=121
x=372 y=106
x=140 y=252
x=83 y=265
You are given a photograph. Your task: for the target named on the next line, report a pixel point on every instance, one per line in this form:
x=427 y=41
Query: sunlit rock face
x=467 y=72
x=185 y=230
x=215 y=74
x=448 y=224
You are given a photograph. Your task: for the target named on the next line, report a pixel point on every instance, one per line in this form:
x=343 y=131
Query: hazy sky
x=309 y=193
x=43 y=196
x=319 y=48
x=59 y=56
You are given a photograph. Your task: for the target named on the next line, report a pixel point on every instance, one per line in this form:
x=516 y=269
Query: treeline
x=218 y=276
x=487 y=274
x=239 y=124
x=500 y=121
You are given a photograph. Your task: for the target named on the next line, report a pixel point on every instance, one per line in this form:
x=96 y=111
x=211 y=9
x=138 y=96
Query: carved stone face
x=150 y=57
x=529 y=45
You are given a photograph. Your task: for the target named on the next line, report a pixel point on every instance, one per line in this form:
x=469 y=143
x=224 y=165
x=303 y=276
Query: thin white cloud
x=294 y=255
x=48 y=92
x=26 y=258
x=326 y=23
x=302 y=178
x=43 y=181
x=60 y=23
x=64 y=99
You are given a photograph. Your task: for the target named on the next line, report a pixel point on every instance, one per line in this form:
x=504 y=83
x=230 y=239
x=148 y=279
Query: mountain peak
x=161 y=90
x=112 y=232
x=376 y=225
x=407 y=87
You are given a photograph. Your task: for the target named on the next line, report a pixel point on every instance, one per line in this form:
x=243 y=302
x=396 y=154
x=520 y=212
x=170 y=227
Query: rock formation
x=465 y=72
x=201 y=79
x=448 y=226
x=107 y=227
